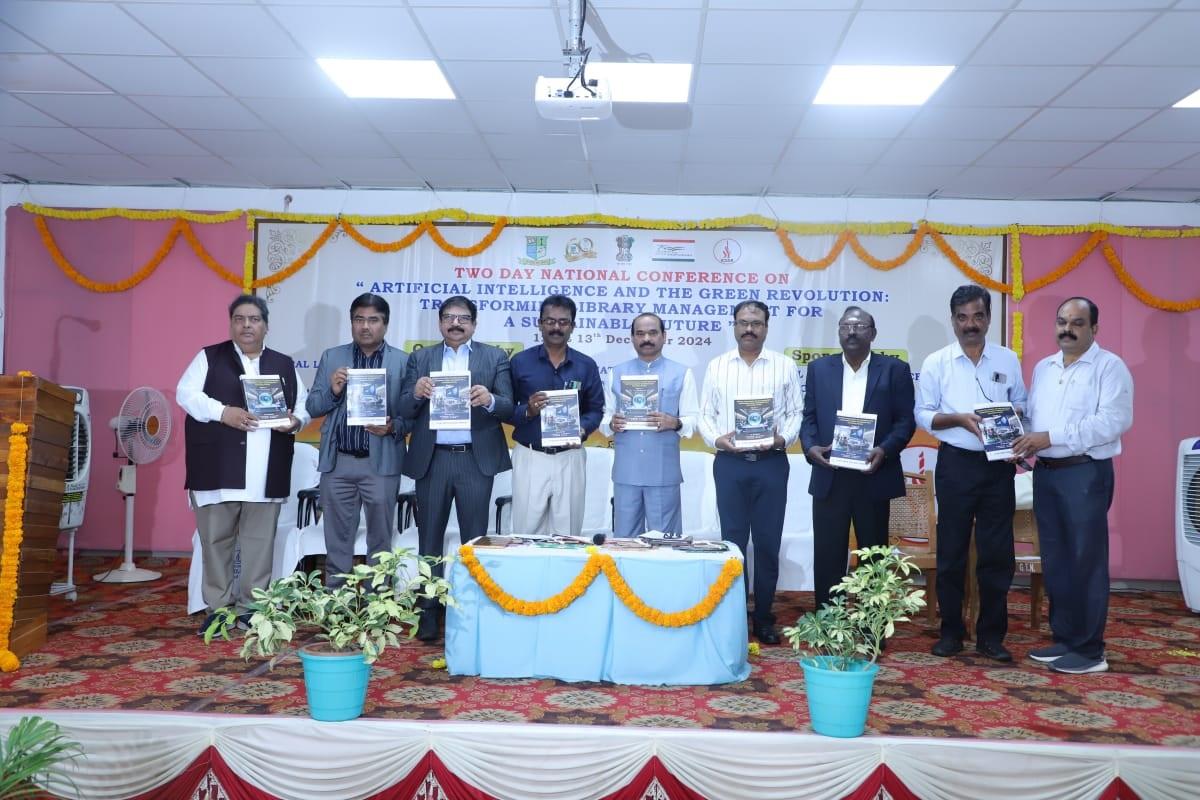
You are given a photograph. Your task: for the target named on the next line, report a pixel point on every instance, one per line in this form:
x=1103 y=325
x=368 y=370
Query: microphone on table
x=599 y=539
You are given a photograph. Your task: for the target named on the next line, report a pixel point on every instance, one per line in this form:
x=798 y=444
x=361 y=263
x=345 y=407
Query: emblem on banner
x=579 y=249
x=535 y=251
x=727 y=251
x=624 y=248
x=674 y=250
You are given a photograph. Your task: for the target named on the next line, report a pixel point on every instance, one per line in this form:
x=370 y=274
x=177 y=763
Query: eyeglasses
x=857 y=327
x=357 y=320
x=457 y=318
x=560 y=322
x=755 y=324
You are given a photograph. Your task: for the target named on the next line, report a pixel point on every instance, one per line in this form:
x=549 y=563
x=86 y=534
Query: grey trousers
x=222 y=527
x=351 y=486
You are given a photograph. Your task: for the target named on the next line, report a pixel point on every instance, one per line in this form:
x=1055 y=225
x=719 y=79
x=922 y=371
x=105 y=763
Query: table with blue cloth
x=597 y=638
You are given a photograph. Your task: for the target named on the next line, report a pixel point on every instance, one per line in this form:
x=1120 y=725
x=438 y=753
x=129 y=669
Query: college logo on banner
x=727 y=251
x=579 y=249
x=674 y=250
x=535 y=251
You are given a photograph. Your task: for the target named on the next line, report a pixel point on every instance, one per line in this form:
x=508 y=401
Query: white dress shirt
x=458 y=361
x=951 y=384
x=854 y=386
x=202 y=408
x=728 y=376
x=1085 y=407
x=689 y=403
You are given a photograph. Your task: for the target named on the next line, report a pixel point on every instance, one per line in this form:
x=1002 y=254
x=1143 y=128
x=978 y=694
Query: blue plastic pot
x=336 y=683
x=838 y=700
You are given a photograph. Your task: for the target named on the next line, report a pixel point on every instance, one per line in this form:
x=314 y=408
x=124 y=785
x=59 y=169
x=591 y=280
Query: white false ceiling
x=1052 y=99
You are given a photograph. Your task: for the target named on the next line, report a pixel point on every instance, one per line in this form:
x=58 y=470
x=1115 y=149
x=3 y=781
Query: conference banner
x=692 y=279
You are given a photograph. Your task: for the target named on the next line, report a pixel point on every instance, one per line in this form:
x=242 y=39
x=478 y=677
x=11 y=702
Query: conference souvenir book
x=366 y=397
x=264 y=399
x=560 y=418
x=450 y=404
x=639 y=397
x=853 y=438
x=753 y=420
x=999 y=427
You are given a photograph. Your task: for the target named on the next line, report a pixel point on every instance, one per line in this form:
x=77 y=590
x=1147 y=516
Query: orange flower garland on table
x=14 y=509
x=596 y=563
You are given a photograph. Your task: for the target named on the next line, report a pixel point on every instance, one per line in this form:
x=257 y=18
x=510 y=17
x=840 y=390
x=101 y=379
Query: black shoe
x=947 y=646
x=243 y=621
x=209 y=619
x=427 y=626
x=994 y=650
x=766 y=633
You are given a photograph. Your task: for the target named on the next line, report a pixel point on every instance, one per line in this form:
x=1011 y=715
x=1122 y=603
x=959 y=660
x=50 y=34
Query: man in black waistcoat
x=238 y=472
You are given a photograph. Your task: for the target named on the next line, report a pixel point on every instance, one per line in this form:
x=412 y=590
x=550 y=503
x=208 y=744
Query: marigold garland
x=1017 y=340
x=595 y=564
x=1016 y=264
x=14 y=510
x=1138 y=291
x=1071 y=263
x=95 y=286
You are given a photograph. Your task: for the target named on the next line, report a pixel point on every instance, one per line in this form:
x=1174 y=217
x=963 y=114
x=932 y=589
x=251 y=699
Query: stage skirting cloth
x=597 y=638
x=168 y=756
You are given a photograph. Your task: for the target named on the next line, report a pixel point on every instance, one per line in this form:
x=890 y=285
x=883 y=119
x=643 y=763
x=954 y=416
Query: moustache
x=646 y=344
x=456 y=330
x=1068 y=335
x=971 y=330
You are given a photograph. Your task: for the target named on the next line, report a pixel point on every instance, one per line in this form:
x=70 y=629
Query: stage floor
x=133 y=648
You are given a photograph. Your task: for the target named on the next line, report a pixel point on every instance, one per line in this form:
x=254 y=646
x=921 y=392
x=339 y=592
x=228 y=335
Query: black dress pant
x=1071 y=506
x=974 y=493
x=849 y=500
x=751 y=499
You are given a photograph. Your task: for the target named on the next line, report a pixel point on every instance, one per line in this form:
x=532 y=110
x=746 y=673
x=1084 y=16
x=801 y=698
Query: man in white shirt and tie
x=1080 y=404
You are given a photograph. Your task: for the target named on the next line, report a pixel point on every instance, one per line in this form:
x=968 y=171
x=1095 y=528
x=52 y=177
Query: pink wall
x=1161 y=349
x=111 y=343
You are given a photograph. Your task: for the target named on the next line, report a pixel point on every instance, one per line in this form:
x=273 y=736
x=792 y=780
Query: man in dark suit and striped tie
x=455 y=465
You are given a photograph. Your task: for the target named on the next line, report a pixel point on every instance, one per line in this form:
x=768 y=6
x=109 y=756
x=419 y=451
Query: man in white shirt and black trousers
x=1080 y=404
x=973 y=493
x=752 y=484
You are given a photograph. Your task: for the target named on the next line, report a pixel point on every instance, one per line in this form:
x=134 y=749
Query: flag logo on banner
x=535 y=250
x=674 y=250
x=727 y=251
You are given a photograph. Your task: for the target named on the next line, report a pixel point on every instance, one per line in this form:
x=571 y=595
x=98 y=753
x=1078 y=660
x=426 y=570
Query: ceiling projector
x=554 y=100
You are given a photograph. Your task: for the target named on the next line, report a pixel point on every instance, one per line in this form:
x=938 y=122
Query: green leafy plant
x=369 y=612
x=32 y=755
x=869 y=602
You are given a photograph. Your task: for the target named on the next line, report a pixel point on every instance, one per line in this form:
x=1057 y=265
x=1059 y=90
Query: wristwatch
x=678 y=425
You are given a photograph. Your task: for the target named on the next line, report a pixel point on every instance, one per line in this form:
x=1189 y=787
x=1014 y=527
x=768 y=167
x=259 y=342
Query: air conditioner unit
x=1187 y=521
x=79 y=467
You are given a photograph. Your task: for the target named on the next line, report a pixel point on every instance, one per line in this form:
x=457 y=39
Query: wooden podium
x=49 y=411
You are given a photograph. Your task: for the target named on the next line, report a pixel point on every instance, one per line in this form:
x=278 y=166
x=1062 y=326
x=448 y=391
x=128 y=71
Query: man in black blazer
x=858 y=381
x=455 y=465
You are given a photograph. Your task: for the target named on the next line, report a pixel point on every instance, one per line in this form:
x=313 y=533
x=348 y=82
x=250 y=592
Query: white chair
x=699 y=495
x=597 y=501
x=304 y=476
x=796 y=548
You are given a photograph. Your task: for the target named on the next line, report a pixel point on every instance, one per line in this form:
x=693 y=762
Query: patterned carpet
x=133 y=647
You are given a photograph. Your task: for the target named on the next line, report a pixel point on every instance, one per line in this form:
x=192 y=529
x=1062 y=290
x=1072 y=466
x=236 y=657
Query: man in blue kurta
x=646 y=475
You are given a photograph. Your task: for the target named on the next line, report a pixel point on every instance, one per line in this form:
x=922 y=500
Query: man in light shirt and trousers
x=752 y=483
x=455 y=466
x=360 y=464
x=238 y=474
x=1080 y=403
x=973 y=493
x=854 y=382
x=646 y=473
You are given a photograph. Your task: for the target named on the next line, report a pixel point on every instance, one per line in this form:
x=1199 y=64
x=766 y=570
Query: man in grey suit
x=360 y=465
x=455 y=465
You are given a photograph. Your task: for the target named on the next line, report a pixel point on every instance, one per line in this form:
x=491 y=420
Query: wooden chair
x=1029 y=561
x=912 y=529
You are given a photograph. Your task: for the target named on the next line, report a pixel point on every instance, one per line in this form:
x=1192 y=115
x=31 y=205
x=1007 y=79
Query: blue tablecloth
x=597 y=638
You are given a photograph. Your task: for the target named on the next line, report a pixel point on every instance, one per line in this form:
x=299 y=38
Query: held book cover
x=366 y=397
x=999 y=427
x=450 y=404
x=853 y=438
x=264 y=399
x=560 y=418
x=753 y=420
x=639 y=397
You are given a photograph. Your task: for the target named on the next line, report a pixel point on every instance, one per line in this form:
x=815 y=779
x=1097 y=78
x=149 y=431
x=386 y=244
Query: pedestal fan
x=142 y=429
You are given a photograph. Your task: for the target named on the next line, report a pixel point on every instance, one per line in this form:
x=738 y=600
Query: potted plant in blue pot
x=840 y=643
x=355 y=622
